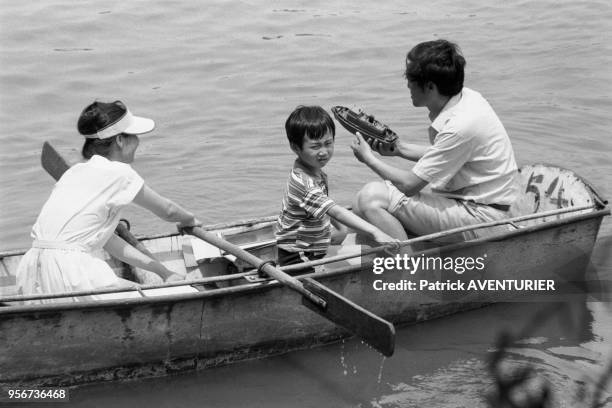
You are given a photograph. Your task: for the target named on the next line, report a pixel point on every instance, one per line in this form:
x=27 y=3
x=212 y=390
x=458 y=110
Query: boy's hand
x=339 y=232
x=361 y=149
x=385 y=239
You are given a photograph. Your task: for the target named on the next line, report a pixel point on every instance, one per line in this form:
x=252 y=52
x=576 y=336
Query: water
x=220 y=79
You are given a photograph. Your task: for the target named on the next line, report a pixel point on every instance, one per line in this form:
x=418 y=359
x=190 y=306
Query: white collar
x=446 y=112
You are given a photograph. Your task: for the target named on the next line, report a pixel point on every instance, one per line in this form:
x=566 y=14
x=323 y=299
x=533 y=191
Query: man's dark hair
x=438 y=61
x=313 y=121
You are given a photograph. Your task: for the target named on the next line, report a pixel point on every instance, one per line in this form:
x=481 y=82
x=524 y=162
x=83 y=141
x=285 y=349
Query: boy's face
x=316 y=153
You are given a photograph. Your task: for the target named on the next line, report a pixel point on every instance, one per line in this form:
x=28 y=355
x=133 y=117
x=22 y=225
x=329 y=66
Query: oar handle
x=128 y=237
x=254 y=261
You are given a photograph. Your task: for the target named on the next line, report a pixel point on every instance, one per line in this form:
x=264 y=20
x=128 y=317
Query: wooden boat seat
x=196 y=251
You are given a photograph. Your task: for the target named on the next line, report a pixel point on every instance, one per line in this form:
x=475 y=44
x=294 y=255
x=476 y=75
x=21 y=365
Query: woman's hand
x=168 y=275
x=174 y=277
x=194 y=222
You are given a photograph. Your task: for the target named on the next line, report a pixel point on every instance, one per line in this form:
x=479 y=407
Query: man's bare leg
x=371 y=204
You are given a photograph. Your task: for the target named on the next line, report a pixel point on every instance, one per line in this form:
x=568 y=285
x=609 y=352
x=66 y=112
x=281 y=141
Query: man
x=469 y=166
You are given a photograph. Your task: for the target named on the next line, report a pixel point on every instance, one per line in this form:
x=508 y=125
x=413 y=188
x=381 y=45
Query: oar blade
x=52 y=161
x=373 y=330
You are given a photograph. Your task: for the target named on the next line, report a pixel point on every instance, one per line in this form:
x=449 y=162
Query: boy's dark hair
x=313 y=121
x=438 y=61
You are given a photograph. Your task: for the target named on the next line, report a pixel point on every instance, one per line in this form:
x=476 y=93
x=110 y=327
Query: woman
x=79 y=217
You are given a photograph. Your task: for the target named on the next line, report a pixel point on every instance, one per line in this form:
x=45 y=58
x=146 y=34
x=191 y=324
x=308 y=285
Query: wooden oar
x=56 y=166
x=375 y=331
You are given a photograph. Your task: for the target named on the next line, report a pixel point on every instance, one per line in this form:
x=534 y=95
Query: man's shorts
x=426 y=213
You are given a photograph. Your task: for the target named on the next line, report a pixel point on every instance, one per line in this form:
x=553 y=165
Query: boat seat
x=197 y=251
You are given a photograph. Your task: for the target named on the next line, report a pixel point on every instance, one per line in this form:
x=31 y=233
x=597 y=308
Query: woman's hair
x=438 y=61
x=313 y=121
x=101 y=147
x=95 y=117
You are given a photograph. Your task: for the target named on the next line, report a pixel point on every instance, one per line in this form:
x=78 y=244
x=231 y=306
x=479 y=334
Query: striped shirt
x=303 y=223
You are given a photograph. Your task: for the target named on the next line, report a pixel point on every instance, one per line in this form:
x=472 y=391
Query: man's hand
x=384 y=149
x=361 y=149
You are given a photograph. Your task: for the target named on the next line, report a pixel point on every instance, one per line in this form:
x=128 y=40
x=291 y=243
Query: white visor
x=130 y=124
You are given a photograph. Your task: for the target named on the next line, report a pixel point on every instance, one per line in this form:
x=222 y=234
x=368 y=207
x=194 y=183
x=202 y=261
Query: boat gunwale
x=453 y=231
x=267 y=220
x=249 y=222
x=271 y=284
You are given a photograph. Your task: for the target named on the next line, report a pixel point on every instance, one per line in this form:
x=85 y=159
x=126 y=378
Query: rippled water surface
x=220 y=78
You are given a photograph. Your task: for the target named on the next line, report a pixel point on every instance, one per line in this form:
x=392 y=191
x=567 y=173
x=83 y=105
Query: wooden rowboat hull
x=80 y=342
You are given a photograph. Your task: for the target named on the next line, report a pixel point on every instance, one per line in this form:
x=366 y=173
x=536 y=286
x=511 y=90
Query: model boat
x=367 y=125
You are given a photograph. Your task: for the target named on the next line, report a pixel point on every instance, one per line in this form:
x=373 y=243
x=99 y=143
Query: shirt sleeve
x=316 y=203
x=443 y=159
x=128 y=184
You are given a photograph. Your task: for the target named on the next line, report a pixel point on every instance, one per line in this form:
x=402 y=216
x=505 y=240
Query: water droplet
x=380 y=369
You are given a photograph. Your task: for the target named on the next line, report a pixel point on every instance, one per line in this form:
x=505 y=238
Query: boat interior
x=549 y=193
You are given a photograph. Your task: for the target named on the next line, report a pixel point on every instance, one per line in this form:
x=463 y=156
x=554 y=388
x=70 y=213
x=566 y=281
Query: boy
x=303 y=227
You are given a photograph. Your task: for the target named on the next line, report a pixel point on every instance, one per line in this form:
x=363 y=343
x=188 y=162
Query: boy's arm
x=339 y=232
x=348 y=218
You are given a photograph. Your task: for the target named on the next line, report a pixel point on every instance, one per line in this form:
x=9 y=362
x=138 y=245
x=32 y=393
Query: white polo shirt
x=471 y=157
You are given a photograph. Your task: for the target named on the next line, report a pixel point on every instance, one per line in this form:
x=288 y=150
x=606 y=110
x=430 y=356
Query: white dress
x=74 y=224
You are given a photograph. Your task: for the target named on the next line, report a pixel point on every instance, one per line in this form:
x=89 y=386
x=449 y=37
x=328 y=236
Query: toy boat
x=367 y=125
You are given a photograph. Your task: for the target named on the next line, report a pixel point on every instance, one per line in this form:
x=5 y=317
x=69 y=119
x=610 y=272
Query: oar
x=375 y=331
x=56 y=166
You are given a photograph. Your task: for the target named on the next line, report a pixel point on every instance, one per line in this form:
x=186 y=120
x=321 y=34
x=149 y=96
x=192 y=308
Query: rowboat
x=226 y=312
